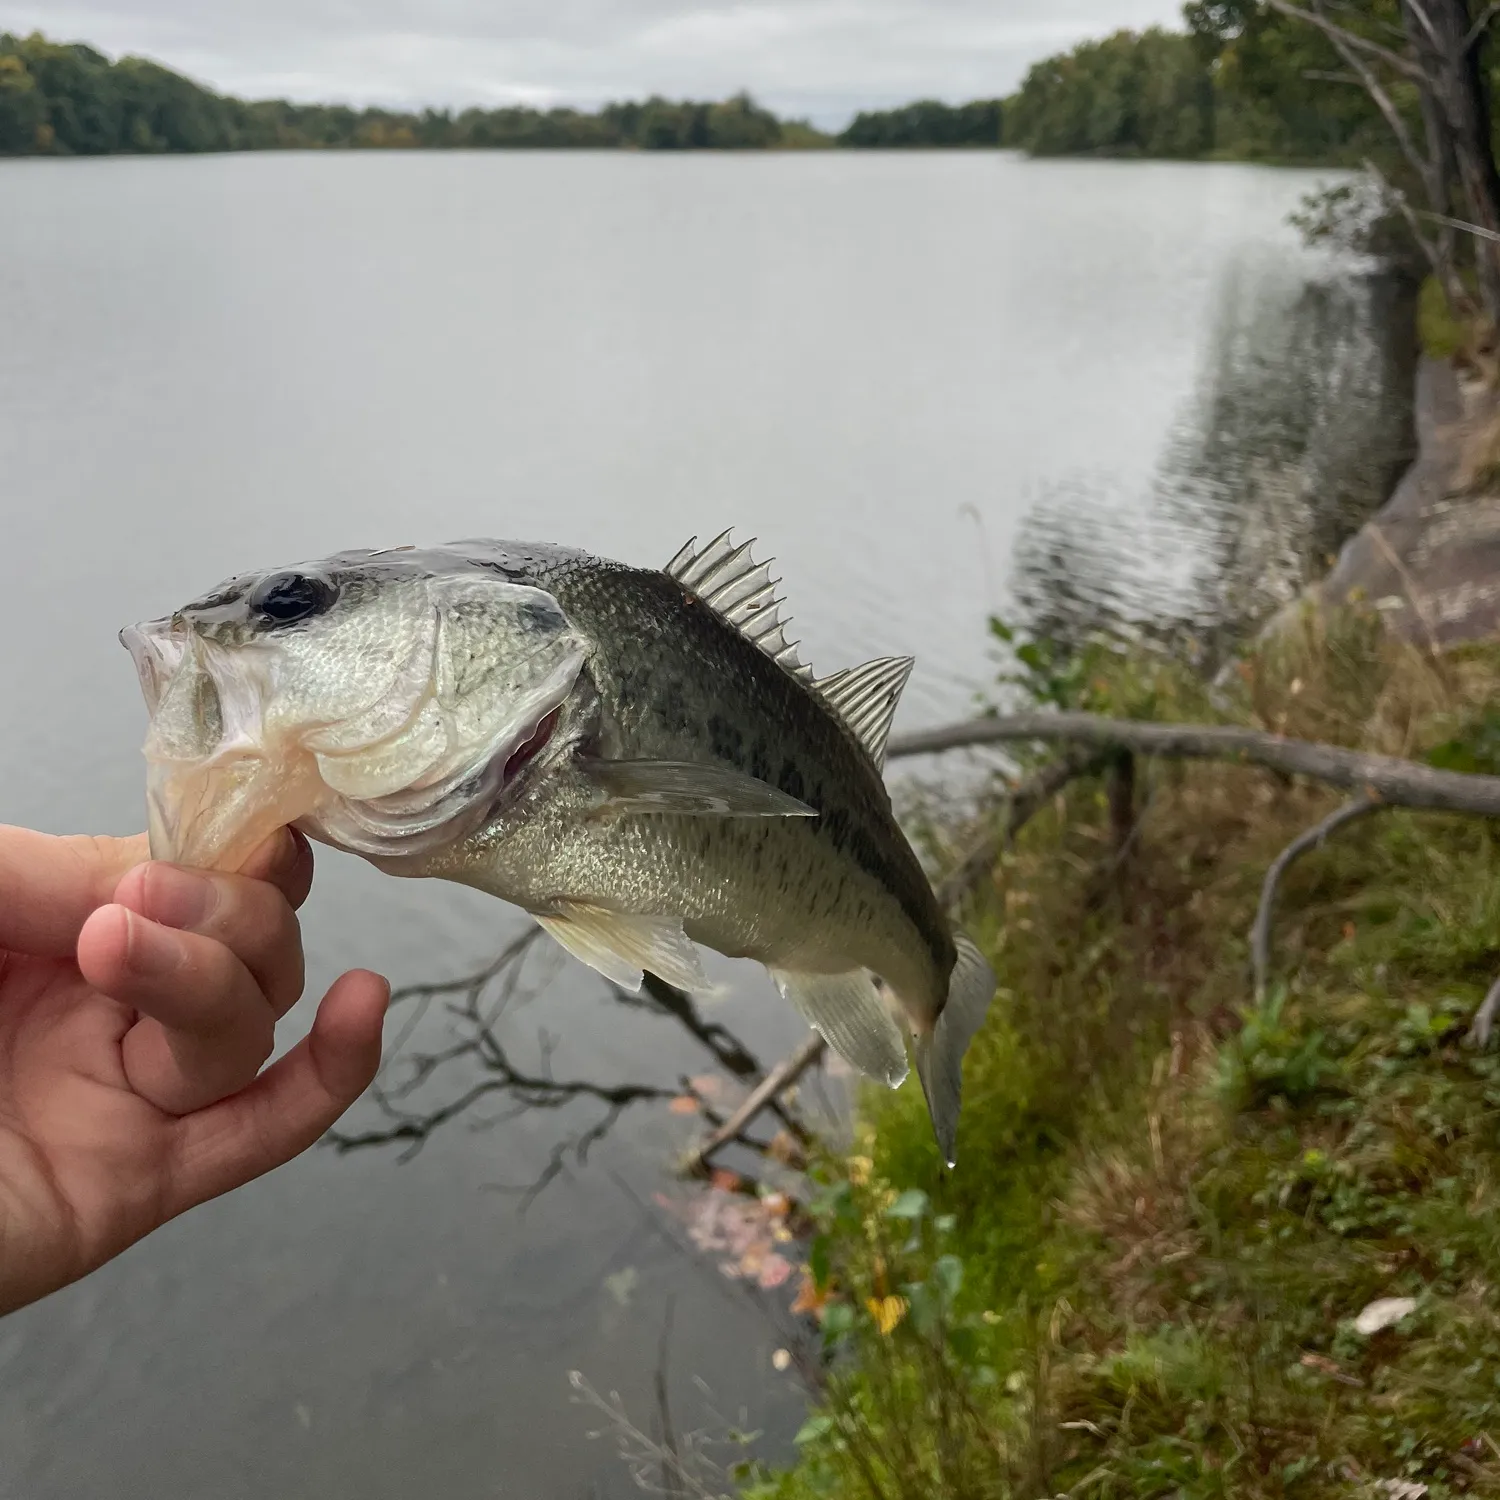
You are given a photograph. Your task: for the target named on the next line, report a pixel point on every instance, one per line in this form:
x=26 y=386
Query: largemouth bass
x=637 y=757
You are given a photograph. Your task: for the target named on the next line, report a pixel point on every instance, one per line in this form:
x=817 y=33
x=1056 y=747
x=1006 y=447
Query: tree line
x=1243 y=79
x=69 y=99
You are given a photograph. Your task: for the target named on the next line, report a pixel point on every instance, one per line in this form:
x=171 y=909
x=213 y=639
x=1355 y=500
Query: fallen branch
x=775 y=1083
x=1260 y=933
x=1386 y=778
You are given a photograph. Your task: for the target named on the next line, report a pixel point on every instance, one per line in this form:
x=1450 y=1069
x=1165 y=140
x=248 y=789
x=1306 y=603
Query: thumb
x=290 y=1105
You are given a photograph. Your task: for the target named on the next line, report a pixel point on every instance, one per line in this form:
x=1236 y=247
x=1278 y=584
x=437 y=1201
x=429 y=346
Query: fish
x=637 y=757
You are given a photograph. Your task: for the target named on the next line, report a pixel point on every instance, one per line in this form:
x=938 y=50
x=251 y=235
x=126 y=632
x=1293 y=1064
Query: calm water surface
x=875 y=363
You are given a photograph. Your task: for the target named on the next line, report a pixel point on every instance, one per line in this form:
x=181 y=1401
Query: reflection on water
x=1298 y=428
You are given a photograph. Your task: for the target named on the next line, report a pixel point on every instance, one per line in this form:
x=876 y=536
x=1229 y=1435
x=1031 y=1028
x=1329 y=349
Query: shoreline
x=1429 y=558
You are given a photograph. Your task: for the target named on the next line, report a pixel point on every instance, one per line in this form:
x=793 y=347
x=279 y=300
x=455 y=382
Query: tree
x=1426 y=52
x=1131 y=94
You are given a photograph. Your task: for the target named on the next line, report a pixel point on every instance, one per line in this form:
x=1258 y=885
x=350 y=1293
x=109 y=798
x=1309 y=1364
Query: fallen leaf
x=1401 y=1489
x=887 y=1312
x=725 y=1180
x=809 y=1298
x=1383 y=1313
x=684 y=1104
x=778 y=1205
x=775 y=1270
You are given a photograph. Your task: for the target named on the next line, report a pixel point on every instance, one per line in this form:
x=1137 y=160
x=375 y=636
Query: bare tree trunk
x=1439 y=31
x=1438 y=178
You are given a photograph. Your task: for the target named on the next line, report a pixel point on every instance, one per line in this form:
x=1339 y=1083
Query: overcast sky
x=823 y=58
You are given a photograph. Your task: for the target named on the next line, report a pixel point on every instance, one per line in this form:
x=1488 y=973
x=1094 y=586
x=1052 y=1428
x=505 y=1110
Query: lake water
x=877 y=363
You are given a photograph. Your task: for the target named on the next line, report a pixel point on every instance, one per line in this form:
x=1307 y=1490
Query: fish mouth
x=214 y=790
x=219 y=784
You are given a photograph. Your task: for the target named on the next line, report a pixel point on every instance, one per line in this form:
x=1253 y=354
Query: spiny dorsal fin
x=865 y=698
x=741 y=591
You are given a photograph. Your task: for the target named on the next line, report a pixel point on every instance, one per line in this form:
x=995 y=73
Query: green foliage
x=1171 y=1205
x=1441 y=331
x=927 y=123
x=1244 y=82
x=1132 y=94
x=70 y=99
x=1282 y=91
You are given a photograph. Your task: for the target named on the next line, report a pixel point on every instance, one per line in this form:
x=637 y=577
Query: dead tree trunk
x=1448 y=54
x=1442 y=60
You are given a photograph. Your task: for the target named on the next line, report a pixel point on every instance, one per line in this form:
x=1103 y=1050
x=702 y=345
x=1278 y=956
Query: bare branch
x=1425 y=21
x=1424 y=169
x=1337 y=34
x=1438 y=257
x=1480 y=26
x=776 y=1082
x=1402 y=783
x=1468 y=228
x=1260 y=933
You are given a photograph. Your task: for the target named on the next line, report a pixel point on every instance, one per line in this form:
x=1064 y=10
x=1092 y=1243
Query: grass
x=1171 y=1205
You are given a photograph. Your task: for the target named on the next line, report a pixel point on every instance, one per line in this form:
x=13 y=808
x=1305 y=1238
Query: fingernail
x=178 y=898
x=150 y=952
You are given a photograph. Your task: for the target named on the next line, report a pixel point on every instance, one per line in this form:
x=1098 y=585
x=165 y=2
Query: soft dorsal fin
x=865 y=698
x=741 y=591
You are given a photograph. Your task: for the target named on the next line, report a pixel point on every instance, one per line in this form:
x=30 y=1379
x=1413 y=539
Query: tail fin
x=940 y=1054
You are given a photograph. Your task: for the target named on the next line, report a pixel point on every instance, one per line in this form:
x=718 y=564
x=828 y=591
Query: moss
x=1441 y=332
x=1171 y=1204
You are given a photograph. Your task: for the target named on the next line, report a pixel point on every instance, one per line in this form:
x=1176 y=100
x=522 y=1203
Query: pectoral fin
x=849 y=1012
x=670 y=786
x=620 y=945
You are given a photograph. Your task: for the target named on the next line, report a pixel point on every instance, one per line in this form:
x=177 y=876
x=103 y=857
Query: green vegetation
x=68 y=99
x=1172 y=1204
x=1132 y=94
x=927 y=123
x=1243 y=82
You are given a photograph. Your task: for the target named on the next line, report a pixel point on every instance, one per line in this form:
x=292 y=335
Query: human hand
x=138 y=1003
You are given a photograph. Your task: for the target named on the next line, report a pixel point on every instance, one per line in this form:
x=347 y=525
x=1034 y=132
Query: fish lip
x=157 y=647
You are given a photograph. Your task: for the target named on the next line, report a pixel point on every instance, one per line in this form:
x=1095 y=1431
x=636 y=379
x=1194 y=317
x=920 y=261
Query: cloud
x=825 y=58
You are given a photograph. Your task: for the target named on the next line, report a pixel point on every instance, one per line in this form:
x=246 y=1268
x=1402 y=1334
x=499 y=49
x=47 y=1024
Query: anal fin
x=851 y=1015
x=620 y=945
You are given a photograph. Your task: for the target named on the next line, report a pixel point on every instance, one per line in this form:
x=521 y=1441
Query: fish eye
x=285 y=598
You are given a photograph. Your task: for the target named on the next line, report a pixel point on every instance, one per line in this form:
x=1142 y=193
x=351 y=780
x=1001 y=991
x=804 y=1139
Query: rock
x=1383 y=1313
x=1429 y=560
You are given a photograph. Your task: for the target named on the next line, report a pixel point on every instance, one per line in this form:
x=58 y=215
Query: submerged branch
x=775 y=1083
x=1260 y=933
x=1386 y=778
